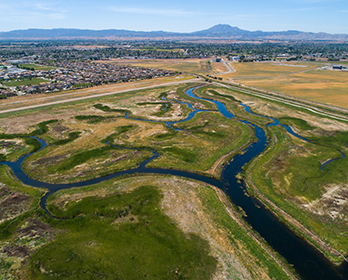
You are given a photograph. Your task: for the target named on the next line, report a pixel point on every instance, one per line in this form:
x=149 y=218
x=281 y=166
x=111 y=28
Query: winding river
x=308 y=262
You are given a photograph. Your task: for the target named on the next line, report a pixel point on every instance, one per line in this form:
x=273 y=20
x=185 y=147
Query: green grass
x=120 y=130
x=36 y=67
x=25 y=82
x=163 y=94
x=184 y=154
x=94 y=245
x=90 y=118
x=202 y=143
x=84 y=156
x=338 y=139
x=106 y=108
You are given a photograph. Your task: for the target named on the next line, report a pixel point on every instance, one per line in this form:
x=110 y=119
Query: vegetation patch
x=93 y=244
x=106 y=108
x=90 y=118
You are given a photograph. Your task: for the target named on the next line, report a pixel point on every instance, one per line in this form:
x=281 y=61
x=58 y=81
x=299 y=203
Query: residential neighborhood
x=67 y=75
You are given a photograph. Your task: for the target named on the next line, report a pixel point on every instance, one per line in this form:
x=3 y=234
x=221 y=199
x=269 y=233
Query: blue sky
x=183 y=16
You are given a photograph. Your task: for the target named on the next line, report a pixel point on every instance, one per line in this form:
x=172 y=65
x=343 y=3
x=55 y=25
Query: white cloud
x=160 y=12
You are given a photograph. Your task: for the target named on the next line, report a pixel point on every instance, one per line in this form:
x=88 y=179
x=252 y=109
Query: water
x=307 y=261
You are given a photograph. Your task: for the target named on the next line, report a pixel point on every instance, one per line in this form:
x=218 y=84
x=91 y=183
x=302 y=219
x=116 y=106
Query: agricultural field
x=308 y=82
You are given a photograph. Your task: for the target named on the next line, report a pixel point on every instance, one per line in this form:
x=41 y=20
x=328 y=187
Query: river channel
x=308 y=262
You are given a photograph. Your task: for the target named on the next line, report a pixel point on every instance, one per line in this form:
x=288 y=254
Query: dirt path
x=230 y=68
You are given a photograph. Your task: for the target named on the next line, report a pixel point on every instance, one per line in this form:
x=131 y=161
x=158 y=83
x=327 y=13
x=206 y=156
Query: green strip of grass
x=72 y=137
x=301 y=124
x=90 y=118
x=249 y=252
x=120 y=130
x=105 y=108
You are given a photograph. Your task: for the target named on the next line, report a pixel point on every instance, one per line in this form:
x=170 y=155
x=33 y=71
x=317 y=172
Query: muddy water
x=308 y=262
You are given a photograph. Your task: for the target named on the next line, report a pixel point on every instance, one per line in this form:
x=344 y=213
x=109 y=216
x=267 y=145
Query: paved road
x=87 y=97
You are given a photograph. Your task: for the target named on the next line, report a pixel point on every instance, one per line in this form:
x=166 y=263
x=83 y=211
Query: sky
x=329 y=16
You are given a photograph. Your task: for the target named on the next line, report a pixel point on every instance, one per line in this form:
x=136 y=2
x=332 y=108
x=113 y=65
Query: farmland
x=308 y=82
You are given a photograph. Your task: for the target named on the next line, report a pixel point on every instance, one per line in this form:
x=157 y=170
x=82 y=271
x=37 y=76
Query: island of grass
x=13 y=149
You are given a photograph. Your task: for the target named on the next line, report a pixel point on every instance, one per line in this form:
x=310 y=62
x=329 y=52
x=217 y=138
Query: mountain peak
x=223 y=28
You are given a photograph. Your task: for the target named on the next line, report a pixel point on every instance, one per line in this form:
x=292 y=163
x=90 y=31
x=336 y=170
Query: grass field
x=25 y=82
x=37 y=67
x=326 y=86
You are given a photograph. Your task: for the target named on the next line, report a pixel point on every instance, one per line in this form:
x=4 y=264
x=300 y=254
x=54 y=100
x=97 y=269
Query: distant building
x=218 y=59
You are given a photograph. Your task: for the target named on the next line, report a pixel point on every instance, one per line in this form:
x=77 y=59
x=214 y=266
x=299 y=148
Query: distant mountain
x=220 y=31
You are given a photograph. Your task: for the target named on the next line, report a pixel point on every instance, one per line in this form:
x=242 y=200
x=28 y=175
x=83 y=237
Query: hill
x=221 y=31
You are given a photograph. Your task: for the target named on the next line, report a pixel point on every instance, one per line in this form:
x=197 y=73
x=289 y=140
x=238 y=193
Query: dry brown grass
x=191 y=65
x=218 y=67
x=329 y=87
